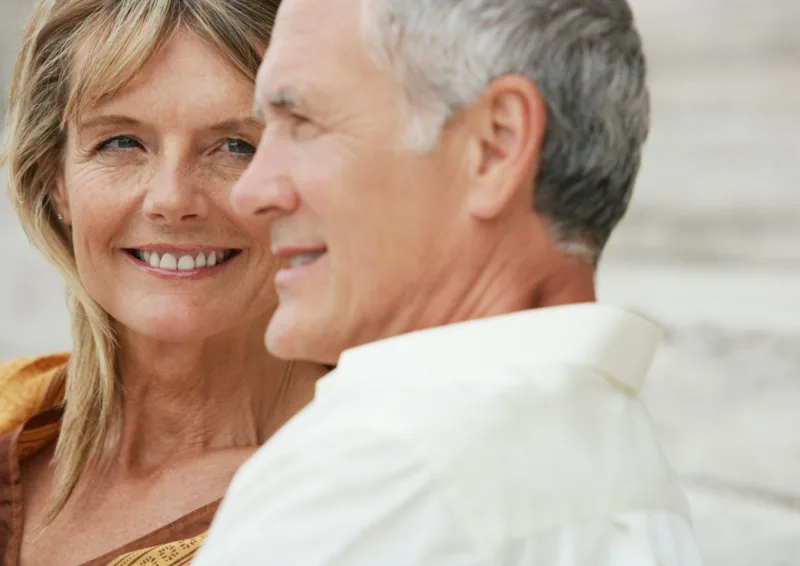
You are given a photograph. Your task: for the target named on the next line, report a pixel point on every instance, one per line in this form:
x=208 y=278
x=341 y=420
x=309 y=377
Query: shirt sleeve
x=366 y=499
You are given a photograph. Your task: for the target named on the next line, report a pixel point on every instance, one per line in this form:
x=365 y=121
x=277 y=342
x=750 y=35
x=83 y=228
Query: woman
x=129 y=121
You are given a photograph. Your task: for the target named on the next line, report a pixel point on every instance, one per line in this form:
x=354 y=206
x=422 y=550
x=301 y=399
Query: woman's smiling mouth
x=171 y=260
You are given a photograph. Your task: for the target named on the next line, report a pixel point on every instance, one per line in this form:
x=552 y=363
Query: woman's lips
x=182 y=262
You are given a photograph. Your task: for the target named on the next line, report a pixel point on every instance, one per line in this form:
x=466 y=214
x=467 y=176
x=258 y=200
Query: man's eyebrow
x=282 y=101
x=283 y=98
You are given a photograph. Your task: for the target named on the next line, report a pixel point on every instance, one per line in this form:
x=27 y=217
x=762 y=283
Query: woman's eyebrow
x=237 y=124
x=107 y=120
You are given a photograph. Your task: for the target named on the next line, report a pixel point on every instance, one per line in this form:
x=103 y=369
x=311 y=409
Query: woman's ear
x=61 y=202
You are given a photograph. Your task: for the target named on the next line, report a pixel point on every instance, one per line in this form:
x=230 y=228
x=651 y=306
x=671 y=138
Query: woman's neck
x=185 y=399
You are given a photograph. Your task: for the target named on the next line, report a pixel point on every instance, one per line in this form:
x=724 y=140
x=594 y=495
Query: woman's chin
x=176 y=329
x=177 y=319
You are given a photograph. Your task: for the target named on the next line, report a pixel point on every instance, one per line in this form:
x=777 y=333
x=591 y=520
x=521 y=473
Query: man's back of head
x=584 y=58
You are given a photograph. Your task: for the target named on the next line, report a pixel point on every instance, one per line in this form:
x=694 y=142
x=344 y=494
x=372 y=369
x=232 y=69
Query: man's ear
x=60 y=201
x=508 y=123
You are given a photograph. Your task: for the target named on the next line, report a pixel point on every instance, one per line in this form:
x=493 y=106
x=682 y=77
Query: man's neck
x=505 y=278
x=569 y=281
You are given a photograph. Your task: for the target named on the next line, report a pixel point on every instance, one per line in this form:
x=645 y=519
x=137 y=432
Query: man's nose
x=266 y=188
x=173 y=196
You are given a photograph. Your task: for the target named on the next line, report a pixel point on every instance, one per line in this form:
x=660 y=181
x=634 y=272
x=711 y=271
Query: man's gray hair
x=584 y=56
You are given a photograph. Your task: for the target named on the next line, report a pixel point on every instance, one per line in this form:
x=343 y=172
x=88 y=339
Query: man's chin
x=290 y=337
x=276 y=340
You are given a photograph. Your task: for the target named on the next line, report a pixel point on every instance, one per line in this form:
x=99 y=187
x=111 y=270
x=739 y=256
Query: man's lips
x=296 y=256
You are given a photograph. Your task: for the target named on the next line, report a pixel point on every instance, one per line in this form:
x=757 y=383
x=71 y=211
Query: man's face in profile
x=364 y=225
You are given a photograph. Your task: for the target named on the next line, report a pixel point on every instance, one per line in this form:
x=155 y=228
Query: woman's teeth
x=185 y=262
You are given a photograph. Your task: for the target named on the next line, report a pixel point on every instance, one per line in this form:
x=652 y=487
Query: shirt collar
x=615 y=343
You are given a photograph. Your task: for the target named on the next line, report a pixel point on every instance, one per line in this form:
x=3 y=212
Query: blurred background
x=710 y=249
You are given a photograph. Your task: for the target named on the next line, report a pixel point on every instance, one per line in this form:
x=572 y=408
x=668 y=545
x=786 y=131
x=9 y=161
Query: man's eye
x=120 y=143
x=303 y=128
x=238 y=146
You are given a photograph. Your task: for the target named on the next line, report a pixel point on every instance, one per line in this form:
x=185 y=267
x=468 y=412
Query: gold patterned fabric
x=31 y=392
x=172 y=554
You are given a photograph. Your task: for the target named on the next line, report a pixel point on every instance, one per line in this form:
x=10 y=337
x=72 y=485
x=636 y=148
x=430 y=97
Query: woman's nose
x=174 y=197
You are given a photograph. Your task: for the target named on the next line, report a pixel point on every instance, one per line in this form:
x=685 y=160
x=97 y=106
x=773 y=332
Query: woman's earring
x=60 y=218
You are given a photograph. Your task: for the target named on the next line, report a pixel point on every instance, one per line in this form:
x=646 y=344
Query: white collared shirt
x=509 y=441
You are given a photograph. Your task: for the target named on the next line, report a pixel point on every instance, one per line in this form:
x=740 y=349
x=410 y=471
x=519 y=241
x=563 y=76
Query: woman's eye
x=238 y=146
x=121 y=142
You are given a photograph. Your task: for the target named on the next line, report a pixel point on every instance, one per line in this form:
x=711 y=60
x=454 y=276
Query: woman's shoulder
x=29 y=386
x=23 y=369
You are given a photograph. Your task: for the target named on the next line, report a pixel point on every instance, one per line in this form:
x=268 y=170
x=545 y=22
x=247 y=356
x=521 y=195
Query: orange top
x=31 y=392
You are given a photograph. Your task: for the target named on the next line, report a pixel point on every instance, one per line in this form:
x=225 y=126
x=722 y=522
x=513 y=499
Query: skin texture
x=411 y=240
x=154 y=165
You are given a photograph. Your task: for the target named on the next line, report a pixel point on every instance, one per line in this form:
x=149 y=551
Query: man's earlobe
x=511 y=124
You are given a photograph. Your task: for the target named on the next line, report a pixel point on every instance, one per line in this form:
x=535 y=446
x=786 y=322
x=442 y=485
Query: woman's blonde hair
x=76 y=54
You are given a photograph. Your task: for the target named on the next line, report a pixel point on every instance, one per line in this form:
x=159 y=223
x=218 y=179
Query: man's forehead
x=322 y=20
x=315 y=36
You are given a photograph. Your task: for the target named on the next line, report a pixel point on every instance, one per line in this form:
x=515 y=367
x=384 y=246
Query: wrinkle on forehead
x=186 y=84
x=319 y=55
x=306 y=30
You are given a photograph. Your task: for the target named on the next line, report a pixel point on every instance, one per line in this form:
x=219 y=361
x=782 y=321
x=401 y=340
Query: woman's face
x=145 y=188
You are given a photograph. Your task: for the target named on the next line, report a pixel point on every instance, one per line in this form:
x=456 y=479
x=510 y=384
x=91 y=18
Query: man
x=427 y=163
